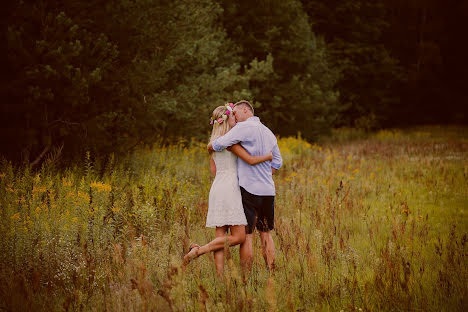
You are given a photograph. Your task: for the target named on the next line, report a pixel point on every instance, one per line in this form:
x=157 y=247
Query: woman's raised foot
x=192 y=254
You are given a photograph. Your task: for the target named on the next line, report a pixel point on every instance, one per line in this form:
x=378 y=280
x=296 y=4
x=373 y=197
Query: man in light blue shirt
x=256 y=182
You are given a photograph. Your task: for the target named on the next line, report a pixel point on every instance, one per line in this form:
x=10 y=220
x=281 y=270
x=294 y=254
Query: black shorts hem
x=259 y=211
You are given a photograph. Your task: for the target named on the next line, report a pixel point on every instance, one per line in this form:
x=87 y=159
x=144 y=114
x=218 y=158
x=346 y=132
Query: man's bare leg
x=246 y=253
x=268 y=250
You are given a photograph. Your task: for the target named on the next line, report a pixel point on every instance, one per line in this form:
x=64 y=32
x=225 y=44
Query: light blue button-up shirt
x=258 y=140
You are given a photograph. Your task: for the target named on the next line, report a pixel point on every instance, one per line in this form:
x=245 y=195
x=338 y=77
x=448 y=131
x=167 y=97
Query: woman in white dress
x=225 y=210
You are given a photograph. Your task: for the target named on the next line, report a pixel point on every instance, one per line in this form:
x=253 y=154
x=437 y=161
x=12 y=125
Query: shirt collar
x=253 y=118
x=250 y=119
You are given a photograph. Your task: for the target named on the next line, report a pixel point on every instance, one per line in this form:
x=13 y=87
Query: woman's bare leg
x=236 y=237
x=219 y=254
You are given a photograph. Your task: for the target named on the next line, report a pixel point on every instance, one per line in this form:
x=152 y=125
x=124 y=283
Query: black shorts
x=259 y=211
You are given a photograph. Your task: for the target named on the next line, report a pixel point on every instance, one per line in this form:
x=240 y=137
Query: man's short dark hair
x=246 y=104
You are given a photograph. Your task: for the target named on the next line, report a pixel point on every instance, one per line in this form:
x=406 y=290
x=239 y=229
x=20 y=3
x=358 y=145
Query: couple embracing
x=244 y=156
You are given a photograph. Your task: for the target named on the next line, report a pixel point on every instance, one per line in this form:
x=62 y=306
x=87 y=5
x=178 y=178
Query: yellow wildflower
x=39 y=189
x=16 y=216
x=10 y=188
x=66 y=182
x=101 y=187
x=83 y=196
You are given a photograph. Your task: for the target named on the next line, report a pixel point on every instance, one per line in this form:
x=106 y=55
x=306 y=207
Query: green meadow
x=364 y=222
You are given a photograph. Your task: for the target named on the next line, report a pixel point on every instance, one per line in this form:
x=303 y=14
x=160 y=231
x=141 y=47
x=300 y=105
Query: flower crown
x=224 y=116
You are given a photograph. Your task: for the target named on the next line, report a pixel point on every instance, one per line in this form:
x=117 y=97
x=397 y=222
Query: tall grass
x=373 y=223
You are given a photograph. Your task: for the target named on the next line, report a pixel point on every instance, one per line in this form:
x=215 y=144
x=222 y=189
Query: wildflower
x=66 y=182
x=10 y=188
x=83 y=196
x=38 y=189
x=101 y=187
x=16 y=216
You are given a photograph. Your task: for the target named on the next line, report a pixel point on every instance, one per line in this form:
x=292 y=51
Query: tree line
x=109 y=75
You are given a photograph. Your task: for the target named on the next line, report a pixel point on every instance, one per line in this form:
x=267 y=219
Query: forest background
x=107 y=76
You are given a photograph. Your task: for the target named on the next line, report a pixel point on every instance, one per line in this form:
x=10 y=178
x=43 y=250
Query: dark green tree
x=299 y=94
x=371 y=76
x=56 y=73
x=185 y=67
x=109 y=75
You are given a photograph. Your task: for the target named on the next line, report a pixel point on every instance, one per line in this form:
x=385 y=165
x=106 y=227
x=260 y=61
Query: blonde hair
x=219 y=129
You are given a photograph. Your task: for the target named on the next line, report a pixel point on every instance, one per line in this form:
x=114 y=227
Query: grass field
x=363 y=223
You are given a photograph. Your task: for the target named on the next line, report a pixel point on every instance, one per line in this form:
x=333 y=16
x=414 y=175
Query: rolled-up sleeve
x=277 y=161
x=234 y=136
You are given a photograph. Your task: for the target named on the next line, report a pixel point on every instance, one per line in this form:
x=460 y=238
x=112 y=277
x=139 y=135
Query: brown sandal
x=192 y=253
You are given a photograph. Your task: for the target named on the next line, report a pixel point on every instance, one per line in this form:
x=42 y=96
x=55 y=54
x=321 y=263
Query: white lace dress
x=225 y=202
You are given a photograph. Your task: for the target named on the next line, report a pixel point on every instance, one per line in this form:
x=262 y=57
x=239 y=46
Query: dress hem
x=220 y=225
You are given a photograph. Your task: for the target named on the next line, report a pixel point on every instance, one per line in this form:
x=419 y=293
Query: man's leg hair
x=268 y=250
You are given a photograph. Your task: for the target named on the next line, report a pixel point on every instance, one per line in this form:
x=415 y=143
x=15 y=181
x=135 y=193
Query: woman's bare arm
x=245 y=156
x=212 y=166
